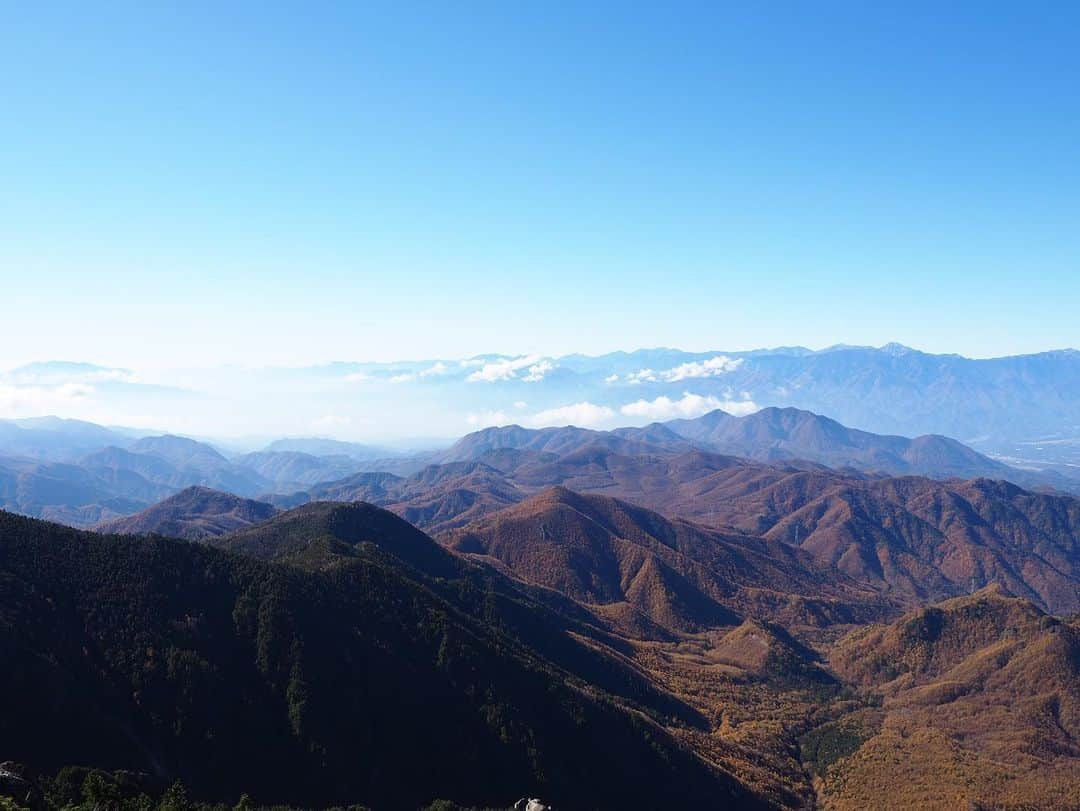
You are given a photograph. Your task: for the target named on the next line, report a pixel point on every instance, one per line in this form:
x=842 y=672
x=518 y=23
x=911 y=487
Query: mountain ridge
x=191 y=652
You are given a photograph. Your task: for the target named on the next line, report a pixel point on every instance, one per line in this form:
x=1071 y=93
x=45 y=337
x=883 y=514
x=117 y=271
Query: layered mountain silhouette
x=115 y=481
x=70 y=493
x=919 y=538
x=50 y=472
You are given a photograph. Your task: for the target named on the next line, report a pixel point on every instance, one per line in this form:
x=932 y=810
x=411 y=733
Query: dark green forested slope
x=377 y=679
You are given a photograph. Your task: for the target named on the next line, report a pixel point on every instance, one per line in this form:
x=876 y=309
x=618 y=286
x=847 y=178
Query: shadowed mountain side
x=193 y=514
x=317 y=688
x=681 y=576
x=324 y=536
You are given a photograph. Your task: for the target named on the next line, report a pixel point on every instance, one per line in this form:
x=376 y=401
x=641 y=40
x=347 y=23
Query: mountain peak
x=195 y=513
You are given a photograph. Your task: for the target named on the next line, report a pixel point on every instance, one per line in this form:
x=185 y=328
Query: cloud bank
x=713 y=367
x=587 y=414
x=534 y=367
x=583 y=415
x=687 y=407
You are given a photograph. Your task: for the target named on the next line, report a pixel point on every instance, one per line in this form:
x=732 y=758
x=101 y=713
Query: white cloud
x=37 y=400
x=508 y=368
x=330 y=422
x=689 y=406
x=435 y=370
x=642 y=376
x=55 y=374
x=439 y=368
x=713 y=367
x=740 y=408
x=357 y=377
x=584 y=414
x=611 y=379
x=487 y=419
x=538 y=371
x=520 y=404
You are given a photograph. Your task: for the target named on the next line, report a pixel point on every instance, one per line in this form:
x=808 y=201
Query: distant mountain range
x=53 y=469
x=771 y=434
x=1025 y=409
x=60 y=472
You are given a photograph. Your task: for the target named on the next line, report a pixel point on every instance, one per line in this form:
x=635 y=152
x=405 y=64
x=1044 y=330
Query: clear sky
x=275 y=184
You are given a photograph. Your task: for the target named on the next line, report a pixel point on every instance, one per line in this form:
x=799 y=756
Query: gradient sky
x=273 y=184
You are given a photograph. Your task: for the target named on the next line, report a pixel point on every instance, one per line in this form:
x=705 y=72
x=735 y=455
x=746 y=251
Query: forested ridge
x=368 y=681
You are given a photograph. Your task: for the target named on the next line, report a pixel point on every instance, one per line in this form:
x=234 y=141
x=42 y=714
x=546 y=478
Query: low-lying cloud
x=593 y=415
x=534 y=367
x=487 y=419
x=713 y=367
x=583 y=415
x=35 y=400
x=687 y=407
x=331 y=422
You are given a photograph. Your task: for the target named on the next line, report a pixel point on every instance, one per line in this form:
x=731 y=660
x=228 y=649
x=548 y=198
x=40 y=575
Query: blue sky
x=273 y=184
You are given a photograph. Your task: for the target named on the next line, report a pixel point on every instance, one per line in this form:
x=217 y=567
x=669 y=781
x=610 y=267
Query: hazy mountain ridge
x=1006 y=405
x=771 y=434
x=788 y=433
